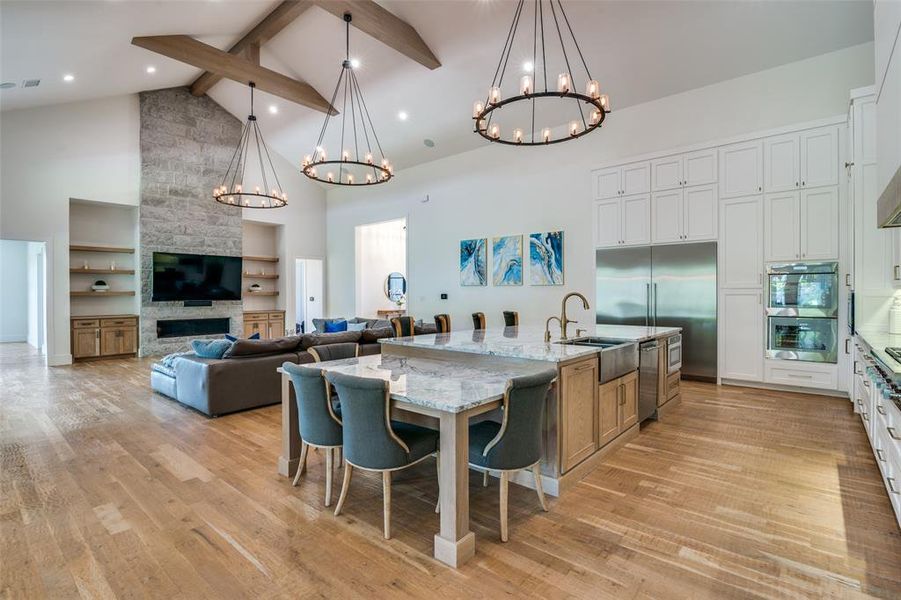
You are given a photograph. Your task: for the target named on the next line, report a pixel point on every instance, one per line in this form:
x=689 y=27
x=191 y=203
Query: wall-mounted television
x=195 y=277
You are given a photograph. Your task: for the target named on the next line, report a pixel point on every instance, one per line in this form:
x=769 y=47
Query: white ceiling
x=639 y=50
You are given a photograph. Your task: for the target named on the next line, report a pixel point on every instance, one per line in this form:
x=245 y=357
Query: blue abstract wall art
x=507 y=255
x=546 y=258
x=474 y=262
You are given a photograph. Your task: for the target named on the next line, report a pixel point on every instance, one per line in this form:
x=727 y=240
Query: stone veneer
x=186 y=144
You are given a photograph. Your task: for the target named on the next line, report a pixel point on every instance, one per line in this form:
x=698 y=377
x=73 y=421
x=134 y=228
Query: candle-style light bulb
x=605 y=102
x=307 y=159
x=525 y=85
x=368 y=158
x=593 y=89
x=477 y=109
x=368 y=177
x=330 y=177
x=546 y=134
x=350 y=178
x=313 y=172
x=256 y=190
x=494 y=95
x=321 y=152
x=482 y=124
x=573 y=127
x=563 y=83
x=345 y=155
x=495 y=131
x=517 y=135
x=238 y=188
x=595 y=117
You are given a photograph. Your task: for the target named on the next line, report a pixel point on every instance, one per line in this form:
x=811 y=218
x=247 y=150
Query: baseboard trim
x=59 y=360
x=10 y=338
x=784 y=388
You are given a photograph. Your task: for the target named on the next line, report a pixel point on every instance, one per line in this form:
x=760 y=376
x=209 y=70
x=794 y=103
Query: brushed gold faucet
x=547 y=329
x=563 y=320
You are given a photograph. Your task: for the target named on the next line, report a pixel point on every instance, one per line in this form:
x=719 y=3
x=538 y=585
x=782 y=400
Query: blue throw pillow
x=233 y=338
x=356 y=326
x=210 y=348
x=335 y=327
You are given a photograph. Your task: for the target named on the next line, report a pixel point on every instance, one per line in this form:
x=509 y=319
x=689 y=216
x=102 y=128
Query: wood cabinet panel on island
x=617 y=407
x=578 y=385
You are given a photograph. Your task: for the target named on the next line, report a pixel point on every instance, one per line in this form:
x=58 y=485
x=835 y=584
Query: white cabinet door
x=607 y=223
x=636 y=179
x=781 y=226
x=699 y=220
x=666 y=216
x=666 y=173
x=607 y=184
x=819 y=223
x=741 y=245
x=636 y=220
x=699 y=168
x=895 y=272
x=741 y=317
x=781 y=163
x=819 y=157
x=741 y=169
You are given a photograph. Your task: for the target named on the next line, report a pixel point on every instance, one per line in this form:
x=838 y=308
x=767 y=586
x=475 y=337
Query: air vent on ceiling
x=31 y=83
x=7 y=85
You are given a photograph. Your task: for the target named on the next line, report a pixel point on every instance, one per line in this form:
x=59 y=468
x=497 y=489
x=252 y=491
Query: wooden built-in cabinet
x=268 y=323
x=104 y=336
x=617 y=407
x=578 y=397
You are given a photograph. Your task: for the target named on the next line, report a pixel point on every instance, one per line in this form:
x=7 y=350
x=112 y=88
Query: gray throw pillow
x=356 y=326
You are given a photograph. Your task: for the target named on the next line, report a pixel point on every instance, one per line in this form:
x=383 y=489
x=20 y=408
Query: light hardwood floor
x=108 y=490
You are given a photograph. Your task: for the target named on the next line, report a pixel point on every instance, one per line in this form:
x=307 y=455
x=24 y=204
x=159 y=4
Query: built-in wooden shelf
x=273 y=259
x=104 y=271
x=263 y=293
x=98 y=294
x=259 y=276
x=91 y=248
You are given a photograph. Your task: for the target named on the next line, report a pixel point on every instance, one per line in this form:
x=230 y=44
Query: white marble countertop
x=438 y=384
x=878 y=341
x=527 y=342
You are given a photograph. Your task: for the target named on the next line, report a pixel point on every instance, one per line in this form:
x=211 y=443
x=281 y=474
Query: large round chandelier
x=357 y=135
x=558 y=96
x=267 y=193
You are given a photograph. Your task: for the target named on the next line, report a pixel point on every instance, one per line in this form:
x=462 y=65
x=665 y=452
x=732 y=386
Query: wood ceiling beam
x=282 y=16
x=375 y=21
x=188 y=50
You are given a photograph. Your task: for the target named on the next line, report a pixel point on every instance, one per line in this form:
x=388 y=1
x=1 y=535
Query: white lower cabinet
x=741 y=327
x=802 y=374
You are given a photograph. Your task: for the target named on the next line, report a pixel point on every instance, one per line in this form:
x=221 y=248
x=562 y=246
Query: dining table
x=448 y=392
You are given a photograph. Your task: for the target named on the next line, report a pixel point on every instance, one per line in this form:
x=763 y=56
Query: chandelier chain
x=568 y=67
x=368 y=117
x=573 y=36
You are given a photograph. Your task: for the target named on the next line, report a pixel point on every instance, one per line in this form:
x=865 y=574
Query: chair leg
x=485 y=478
x=329 y=472
x=386 y=494
x=340 y=457
x=301 y=464
x=348 y=470
x=536 y=471
x=438 y=471
x=503 y=503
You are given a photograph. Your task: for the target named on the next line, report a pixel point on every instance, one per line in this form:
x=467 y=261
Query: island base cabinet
x=617 y=407
x=578 y=405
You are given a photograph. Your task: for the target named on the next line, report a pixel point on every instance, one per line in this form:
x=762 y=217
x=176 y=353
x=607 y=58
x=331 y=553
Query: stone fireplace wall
x=186 y=144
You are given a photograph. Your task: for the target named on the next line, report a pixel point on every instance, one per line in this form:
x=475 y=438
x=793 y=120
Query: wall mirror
x=396 y=286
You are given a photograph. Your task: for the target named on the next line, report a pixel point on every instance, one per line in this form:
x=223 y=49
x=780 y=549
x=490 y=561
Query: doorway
x=381 y=257
x=23 y=304
x=308 y=295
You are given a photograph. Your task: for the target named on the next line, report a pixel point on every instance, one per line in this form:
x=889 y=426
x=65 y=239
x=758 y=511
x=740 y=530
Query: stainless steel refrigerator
x=664 y=286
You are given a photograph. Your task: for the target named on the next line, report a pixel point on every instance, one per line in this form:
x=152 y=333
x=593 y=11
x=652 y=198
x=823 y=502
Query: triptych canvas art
x=545 y=260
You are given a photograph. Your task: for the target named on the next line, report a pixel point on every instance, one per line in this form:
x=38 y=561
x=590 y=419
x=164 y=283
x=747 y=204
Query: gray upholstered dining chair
x=372 y=441
x=320 y=425
x=334 y=351
x=514 y=443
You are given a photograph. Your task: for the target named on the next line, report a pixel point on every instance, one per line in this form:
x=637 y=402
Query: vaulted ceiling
x=639 y=51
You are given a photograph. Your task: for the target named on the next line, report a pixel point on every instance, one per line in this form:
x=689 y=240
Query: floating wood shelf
x=90 y=248
x=273 y=259
x=104 y=271
x=264 y=293
x=98 y=294
x=259 y=276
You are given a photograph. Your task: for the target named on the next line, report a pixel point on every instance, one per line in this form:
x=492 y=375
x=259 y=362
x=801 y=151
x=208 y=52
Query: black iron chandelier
x=586 y=111
x=351 y=168
x=232 y=191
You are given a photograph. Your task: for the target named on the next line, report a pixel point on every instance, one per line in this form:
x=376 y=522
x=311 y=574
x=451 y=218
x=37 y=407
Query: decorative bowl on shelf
x=100 y=286
x=256 y=288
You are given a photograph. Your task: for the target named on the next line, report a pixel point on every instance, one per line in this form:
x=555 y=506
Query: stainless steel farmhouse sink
x=616 y=356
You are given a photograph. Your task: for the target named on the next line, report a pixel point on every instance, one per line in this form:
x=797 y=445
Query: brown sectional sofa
x=246 y=376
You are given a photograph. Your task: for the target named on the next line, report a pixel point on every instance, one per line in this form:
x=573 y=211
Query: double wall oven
x=802 y=312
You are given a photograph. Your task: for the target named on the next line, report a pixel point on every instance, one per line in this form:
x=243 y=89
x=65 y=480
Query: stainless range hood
x=888 y=208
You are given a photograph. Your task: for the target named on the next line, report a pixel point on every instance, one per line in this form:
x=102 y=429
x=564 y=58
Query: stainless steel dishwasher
x=647 y=379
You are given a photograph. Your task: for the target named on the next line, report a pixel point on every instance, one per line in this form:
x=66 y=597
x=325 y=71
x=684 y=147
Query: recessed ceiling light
x=355 y=63
x=428 y=143
x=151 y=70
x=402 y=115
x=68 y=77
x=528 y=67
x=273 y=109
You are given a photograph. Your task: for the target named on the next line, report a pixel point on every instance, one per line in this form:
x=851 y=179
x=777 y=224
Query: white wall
x=13 y=291
x=499 y=190
x=381 y=249
x=51 y=154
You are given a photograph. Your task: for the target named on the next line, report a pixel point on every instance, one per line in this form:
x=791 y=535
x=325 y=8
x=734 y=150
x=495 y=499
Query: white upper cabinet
x=607 y=223
x=625 y=180
x=741 y=169
x=666 y=173
x=819 y=157
x=699 y=168
x=819 y=223
x=741 y=242
x=699 y=220
x=636 y=220
x=666 y=217
x=781 y=163
x=782 y=213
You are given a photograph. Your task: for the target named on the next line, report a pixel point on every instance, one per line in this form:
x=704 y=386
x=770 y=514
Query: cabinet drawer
x=673 y=385
x=801 y=374
x=127 y=322
x=276 y=316
x=256 y=316
x=83 y=323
